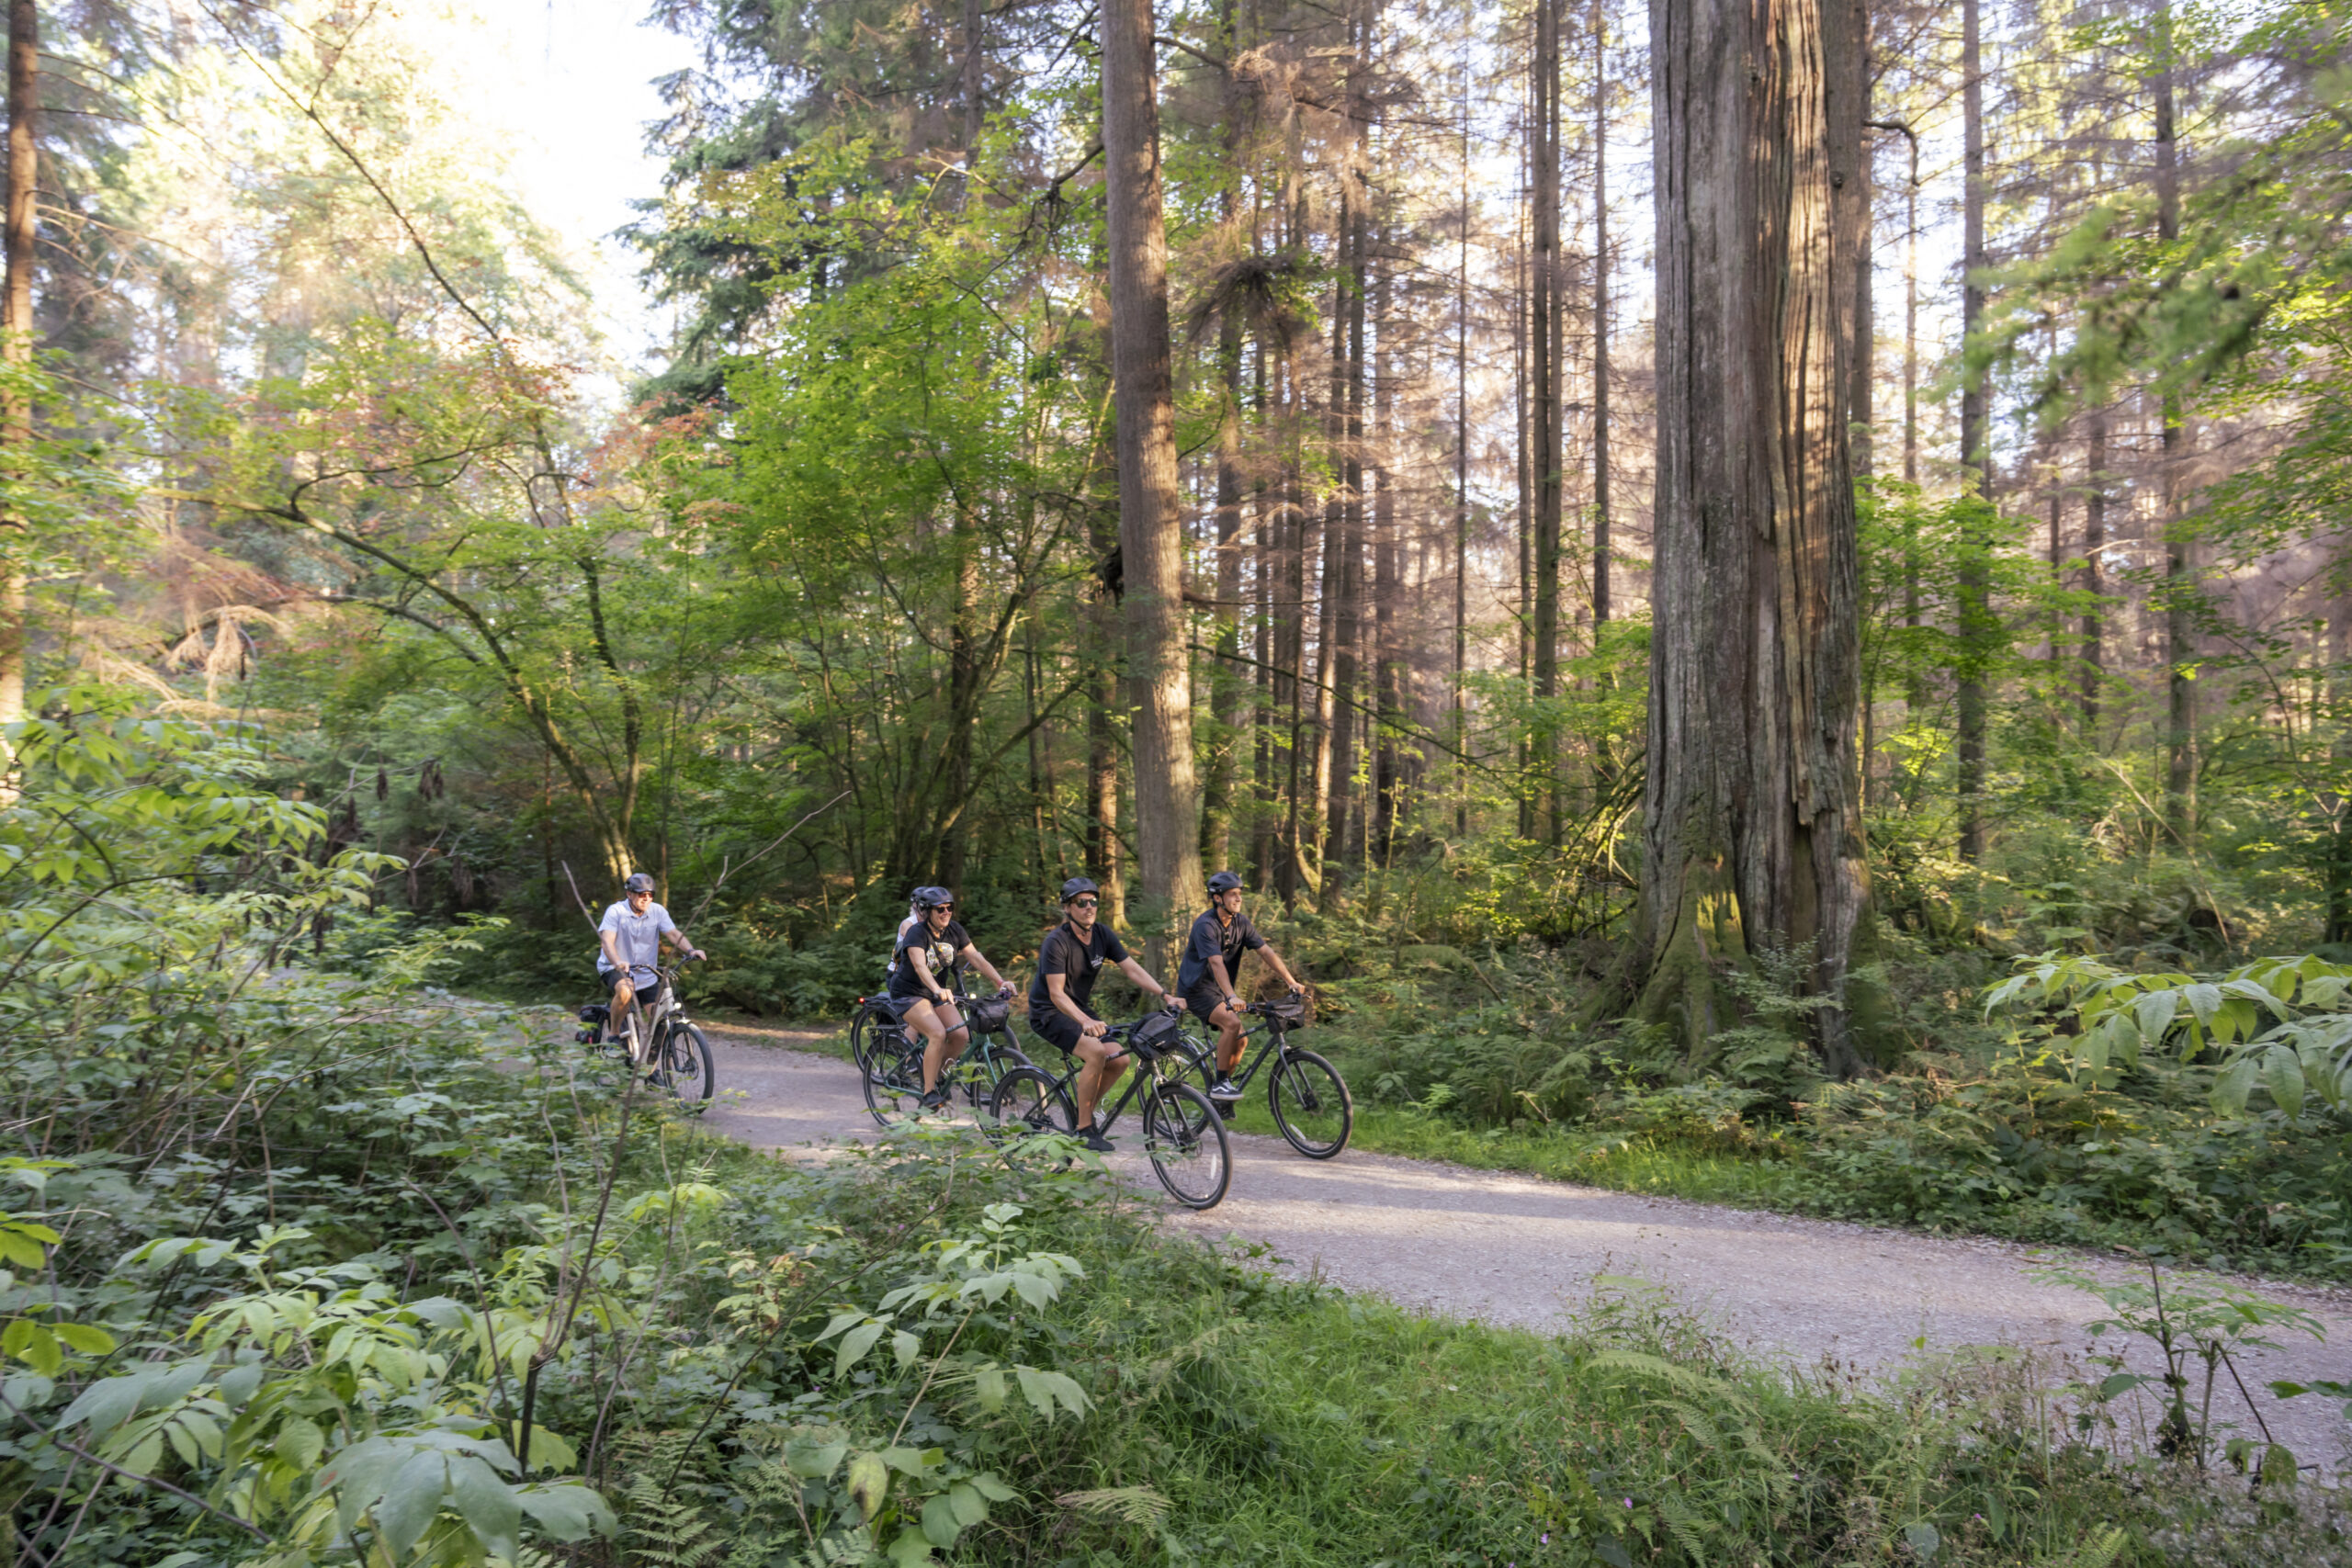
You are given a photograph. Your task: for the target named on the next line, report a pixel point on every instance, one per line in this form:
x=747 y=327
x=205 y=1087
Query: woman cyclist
x=930 y=952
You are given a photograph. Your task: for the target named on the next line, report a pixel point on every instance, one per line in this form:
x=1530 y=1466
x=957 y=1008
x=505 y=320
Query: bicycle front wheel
x=682 y=1063
x=1310 y=1104
x=893 y=1082
x=1184 y=1138
x=1028 y=1103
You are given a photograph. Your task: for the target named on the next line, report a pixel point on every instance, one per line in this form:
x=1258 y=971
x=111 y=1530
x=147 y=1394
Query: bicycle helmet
x=930 y=898
x=640 y=883
x=1076 y=886
x=1223 y=882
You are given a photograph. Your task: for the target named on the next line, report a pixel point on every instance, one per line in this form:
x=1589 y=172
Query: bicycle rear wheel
x=871 y=1023
x=682 y=1063
x=1028 y=1103
x=893 y=1081
x=1184 y=1138
x=1310 y=1104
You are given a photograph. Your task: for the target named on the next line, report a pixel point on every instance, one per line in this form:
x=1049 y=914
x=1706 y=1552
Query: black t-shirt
x=1077 y=961
x=1211 y=938
x=941 y=950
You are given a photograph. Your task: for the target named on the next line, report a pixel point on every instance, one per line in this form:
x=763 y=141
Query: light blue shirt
x=636 y=938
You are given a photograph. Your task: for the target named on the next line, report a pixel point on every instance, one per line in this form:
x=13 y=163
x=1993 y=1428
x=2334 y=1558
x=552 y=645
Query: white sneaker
x=1224 y=1091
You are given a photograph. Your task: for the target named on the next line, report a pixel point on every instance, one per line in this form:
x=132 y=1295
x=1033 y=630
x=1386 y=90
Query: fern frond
x=1141 y=1505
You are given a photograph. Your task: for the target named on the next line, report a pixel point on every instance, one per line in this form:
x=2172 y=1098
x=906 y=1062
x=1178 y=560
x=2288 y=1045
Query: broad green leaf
x=906 y=1346
x=2204 y=1000
x=813 y=1457
x=410 y=1500
x=2283 y=1076
x=2233 y=1086
x=869 y=1483
x=567 y=1510
x=969 y=1506
x=487 y=1504
x=855 y=1344
x=2153 y=1013
x=299 y=1443
x=1044 y=1389
x=940 y=1526
x=990 y=1385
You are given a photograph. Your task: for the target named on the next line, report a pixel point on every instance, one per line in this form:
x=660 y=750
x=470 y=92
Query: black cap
x=640 y=883
x=929 y=897
x=1076 y=886
x=1224 y=882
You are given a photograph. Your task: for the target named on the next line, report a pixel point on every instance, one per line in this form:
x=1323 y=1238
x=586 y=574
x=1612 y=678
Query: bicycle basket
x=1292 y=1010
x=988 y=1015
x=1155 y=1034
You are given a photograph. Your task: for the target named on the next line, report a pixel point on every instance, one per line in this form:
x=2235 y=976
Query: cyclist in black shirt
x=1068 y=962
x=930 y=951
x=1210 y=974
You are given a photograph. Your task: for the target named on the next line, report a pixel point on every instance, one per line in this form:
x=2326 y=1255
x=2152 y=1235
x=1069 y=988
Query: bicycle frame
x=1276 y=1032
x=663 y=1009
x=1158 y=1071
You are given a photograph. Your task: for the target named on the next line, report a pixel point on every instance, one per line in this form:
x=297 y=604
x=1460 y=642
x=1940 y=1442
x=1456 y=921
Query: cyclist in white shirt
x=629 y=943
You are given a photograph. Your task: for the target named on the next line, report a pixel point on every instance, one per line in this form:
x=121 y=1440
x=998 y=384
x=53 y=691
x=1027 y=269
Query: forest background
x=318 y=447
x=1803 y=660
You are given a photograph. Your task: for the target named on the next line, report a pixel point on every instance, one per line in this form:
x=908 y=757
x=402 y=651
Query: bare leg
x=1104 y=1064
x=624 y=998
x=1228 y=1038
x=943 y=1047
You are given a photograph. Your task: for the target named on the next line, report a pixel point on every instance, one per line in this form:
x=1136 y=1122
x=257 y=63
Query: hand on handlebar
x=1004 y=992
x=1093 y=1029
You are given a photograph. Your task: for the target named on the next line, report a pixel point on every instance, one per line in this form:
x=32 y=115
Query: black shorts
x=1204 y=1000
x=1056 y=1027
x=608 y=978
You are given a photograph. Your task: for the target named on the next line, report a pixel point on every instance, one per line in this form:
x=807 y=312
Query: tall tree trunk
x=1601 y=607
x=1347 y=587
x=1546 y=357
x=1973 y=608
x=1847 y=27
x=1750 y=808
x=2181 y=651
x=1388 y=621
x=2093 y=547
x=1166 y=785
x=17 y=352
x=1523 y=308
x=1460 y=698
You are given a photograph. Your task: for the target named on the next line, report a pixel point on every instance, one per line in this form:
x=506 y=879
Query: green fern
x=1140 y=1505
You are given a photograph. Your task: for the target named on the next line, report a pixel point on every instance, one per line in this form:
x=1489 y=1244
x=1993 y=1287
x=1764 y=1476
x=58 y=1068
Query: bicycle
x=889 y=1054
x=1308 y=1098
x=659 y=1039
x=1182 y=1134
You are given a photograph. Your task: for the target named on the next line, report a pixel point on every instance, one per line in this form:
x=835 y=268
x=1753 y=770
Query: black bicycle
x=1182 y=1134
x=1306 y=1093
x=889 y=1055
x=657 y=1038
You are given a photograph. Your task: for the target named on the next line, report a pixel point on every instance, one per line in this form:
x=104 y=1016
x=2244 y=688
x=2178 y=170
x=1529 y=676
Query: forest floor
x=1525 y=1251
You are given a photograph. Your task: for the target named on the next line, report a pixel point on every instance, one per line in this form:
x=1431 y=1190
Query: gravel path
x=1521 y=1250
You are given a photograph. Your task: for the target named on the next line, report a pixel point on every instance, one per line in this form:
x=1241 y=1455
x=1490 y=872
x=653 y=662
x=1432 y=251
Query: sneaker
x=936 y=1099
x=1095 y=1140
x=1224 y=1091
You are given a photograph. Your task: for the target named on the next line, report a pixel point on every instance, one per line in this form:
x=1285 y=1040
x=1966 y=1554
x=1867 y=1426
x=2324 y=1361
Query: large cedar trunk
x=1751 y=811
x=1168 y=795
x=17 y=348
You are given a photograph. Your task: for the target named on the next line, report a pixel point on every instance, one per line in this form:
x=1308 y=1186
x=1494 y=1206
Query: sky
x=581 y=75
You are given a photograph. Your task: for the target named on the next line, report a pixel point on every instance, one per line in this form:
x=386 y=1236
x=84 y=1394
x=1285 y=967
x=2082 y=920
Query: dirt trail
x=1520 y=1250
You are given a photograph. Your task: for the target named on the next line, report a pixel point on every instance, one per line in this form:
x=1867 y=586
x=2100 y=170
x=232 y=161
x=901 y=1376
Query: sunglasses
x=1084 y=903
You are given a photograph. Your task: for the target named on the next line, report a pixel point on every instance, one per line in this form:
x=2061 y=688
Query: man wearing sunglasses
x=930 y=952
x=1061 y=998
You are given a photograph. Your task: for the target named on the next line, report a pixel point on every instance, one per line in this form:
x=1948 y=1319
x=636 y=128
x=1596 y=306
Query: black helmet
x=1076 y=886
x=640 y=883
x=1223 y=882
x=930 y=897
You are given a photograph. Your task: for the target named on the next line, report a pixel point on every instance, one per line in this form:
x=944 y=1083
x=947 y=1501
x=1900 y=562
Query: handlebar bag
x=1154 y=1034
x=988 y=1016
x=1292 y=1010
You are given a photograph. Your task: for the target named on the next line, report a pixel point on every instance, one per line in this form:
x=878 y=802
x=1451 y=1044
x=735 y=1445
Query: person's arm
x=1225 y=985
x=677 y=939
x=979 y=960
x=921 y=958
x=608 y=939
x=1055 y=984
x=1142 y=977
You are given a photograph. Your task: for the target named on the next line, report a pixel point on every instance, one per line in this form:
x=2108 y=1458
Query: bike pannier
x=986 y=1016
